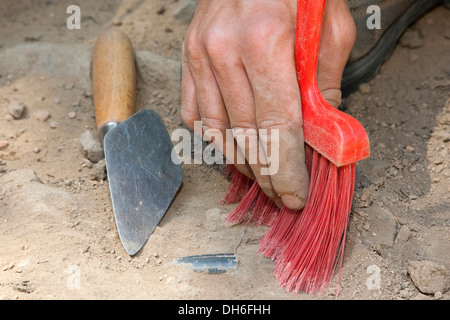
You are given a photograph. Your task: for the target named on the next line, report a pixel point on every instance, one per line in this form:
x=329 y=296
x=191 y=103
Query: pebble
x=8 y=267
x=413 y=58
x=98 y=172
x=185 y=11
x=42 y=115
x=91 y=146
x=68 y=86
x=16 y=110
x=161 y=10
x=443 y=135
x=86 y=163
x=428 y=276
x=437 y=160
x=404 y=293
x=411 y=39
x=53 y=124
x=72 y=114
x=365 y=88
x=3 y=144
x=403 y=234
x=116 y=22
x=383 y=227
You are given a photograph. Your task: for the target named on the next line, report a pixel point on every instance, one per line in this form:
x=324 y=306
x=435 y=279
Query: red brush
x=307 y=245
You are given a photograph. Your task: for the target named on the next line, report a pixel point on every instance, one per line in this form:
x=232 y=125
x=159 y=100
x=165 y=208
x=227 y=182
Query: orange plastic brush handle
x=336 y=135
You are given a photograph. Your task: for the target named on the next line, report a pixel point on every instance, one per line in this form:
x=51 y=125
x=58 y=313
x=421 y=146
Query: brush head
x=334 y=134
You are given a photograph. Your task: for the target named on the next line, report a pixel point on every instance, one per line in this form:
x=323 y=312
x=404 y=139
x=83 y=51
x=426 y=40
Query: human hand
x=239 y=73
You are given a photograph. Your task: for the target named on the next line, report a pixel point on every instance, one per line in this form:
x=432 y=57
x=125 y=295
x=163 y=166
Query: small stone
x=42 y=115
x=3 y=144
x=16 y=110
x=72 y=114
x=429 y=277
x=98 y=172
x=86 y=163
x=116 y=22
x=53 y=124
x=393 y=171
x=438 y=295
x=437 y=160
x=443 y=135
x=379 y=103
x=403 y=234
x=404 y=293
x=36 y=150
x=8 y=267
x=413 y=58
x=411 y=39
x=68 y=86
x=365 y=88
x=383 y=227
x=91 y=147
x=185 y=12
x=161 y=10
x=413 y=196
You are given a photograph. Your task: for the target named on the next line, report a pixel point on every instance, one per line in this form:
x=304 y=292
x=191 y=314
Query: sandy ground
x=58 y=234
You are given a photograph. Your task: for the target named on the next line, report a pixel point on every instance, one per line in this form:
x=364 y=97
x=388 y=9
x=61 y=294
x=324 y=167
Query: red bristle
x=239 y=186
x=239 y=214
x=255 y=207
x=263 y=210
x=307 y=245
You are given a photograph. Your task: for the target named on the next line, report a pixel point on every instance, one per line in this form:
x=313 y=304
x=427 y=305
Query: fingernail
x=293 y=201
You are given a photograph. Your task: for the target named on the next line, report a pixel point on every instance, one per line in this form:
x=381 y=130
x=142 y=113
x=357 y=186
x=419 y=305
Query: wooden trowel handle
x=113 y=80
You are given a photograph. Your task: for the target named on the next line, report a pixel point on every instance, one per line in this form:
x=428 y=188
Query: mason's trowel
x=143 y=180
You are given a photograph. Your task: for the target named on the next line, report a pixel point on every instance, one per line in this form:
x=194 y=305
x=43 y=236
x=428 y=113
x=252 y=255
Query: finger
x=274 y=84
x=189 y=108
x=212 y=112
x=337 y=39
x=238 y=97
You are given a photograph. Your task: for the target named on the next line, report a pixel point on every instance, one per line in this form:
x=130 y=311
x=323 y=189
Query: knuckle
x=215 y=123
x=285 y=118
x=263 y=32
x=215 y=42
x=192 y=49
x=188 y=116
x=258 y=34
